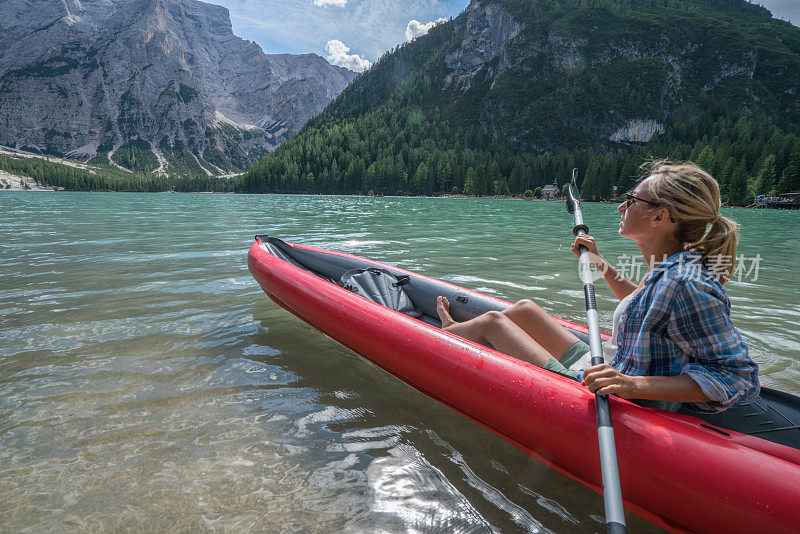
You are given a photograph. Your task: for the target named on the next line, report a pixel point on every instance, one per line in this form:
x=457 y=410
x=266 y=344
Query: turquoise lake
x=147 y=383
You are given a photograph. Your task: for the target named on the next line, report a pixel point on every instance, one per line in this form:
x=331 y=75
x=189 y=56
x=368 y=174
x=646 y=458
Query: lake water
x=147 y=383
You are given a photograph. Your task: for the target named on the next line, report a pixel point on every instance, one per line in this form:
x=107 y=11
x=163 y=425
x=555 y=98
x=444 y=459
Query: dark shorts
x=570 y=356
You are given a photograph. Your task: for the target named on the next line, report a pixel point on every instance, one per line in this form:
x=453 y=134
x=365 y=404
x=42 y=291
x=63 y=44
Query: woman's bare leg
x=528 y=318
x=499 y=330
x=538 y=324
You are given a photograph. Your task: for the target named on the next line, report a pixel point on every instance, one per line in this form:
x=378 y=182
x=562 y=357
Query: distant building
x=550 y=190
x=789 y=201
x=791 y=197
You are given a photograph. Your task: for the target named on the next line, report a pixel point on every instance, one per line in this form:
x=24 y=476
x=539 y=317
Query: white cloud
x=415 y=28
x=338 y=55
x=298 y=26
x=326 y=3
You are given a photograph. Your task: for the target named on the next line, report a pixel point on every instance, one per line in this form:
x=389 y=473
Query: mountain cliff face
x=559 y=75
x=620 y=72
x=150 y=85
x=512 y=94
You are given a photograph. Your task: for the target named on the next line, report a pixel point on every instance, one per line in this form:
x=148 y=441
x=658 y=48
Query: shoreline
x=18 y=183
x=13 y=182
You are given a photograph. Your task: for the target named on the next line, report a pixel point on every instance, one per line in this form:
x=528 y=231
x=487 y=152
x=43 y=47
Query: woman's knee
x=494 y=319
x=527 y=307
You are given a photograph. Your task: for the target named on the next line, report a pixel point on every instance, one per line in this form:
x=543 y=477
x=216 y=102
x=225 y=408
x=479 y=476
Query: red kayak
x=738 y=471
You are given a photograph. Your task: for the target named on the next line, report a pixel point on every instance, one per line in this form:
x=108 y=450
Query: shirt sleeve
x=718 y=359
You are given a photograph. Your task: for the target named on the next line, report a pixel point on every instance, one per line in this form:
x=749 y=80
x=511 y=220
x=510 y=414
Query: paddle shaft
x=612 y=491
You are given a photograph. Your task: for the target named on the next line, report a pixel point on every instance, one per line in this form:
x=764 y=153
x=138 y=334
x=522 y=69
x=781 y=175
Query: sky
x=351 y=33
x=355 y=33
x=783 y=9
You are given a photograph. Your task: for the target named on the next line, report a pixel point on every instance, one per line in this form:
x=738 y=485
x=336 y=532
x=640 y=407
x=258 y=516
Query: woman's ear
x=662 y=215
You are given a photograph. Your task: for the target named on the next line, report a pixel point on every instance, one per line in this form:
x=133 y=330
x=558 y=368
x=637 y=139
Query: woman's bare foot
x=443 y=309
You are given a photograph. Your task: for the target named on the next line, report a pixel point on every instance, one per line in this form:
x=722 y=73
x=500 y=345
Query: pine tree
x=725 y=173
x=469 y=183
x=765 y=180
x=591 y=188
x=420 y=179
x=706 y=160
x=738 y=191
x=516 y=180
x=790 y=178
x=501 y=187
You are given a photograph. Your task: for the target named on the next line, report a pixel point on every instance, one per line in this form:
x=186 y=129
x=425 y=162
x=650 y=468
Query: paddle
x=612 y=492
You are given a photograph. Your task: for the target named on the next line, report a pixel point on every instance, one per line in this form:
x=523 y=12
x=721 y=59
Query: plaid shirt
x=679 y=323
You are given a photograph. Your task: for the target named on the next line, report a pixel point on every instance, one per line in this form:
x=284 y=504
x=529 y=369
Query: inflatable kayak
x=736 y=471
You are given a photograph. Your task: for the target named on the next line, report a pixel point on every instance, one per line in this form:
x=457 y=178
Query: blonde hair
x=693 y=199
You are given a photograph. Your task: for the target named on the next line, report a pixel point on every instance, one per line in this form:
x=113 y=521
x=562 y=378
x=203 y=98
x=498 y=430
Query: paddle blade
x=573 y=198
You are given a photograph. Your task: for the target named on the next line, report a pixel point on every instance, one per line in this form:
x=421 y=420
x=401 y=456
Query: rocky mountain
x=150 y=85
x=512 y=94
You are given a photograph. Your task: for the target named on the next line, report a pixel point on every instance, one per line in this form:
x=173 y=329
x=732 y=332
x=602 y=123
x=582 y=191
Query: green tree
x=591 y=188
x=765 y=180
x=738 y=191
x=706 y=159
x=469 y=183
x=501 y=187
x=790 y=178
x=516 y=181
x=420 y=179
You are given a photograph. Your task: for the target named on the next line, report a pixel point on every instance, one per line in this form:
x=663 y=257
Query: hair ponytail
x=719 y=248
x=693 y=199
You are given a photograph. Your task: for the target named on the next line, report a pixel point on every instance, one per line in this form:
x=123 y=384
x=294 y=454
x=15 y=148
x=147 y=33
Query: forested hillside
x=79 y=177
x=513 y=94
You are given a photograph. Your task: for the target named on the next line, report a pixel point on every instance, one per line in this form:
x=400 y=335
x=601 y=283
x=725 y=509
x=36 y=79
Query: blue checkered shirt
x=679 y=323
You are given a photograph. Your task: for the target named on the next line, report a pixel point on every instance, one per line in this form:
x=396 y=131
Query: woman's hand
x=605 y=380
x=621 y=286
x=588 y=241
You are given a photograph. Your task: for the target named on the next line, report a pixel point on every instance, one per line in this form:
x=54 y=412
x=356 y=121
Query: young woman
x=672 y=337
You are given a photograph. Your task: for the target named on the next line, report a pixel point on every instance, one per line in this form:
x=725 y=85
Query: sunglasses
x=629 y=198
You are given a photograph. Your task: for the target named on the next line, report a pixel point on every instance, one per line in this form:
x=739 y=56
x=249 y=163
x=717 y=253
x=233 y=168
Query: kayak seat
x=382 y=287
x=774 y=416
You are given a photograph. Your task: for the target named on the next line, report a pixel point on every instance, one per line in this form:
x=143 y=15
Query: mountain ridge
x=511 y=95
x=166 y=81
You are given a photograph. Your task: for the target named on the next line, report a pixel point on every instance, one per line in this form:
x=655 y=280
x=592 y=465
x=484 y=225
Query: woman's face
x=637 y=218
